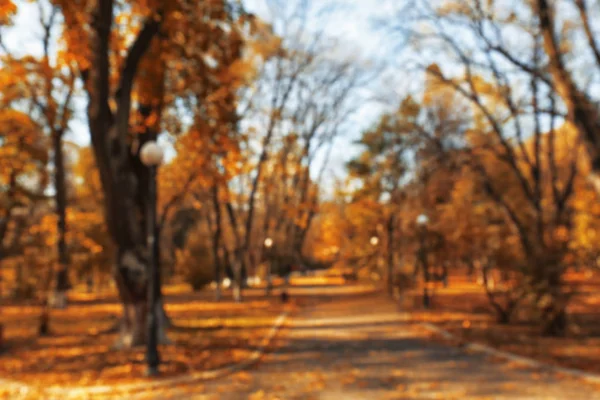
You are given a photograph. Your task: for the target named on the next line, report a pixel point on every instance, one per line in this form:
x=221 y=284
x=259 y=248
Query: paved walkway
x=362 y=349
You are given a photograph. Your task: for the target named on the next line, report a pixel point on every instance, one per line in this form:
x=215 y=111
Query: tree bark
x=503 y=314
x=390 y=255
x=124 y=179
x=236 y=260
x=557 y=324
x=581 y=110
x=424 y=262
x=62 y=278
x=216 y=242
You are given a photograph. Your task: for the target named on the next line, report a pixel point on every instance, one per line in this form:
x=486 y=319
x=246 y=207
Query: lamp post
x=151 y=156
x=422 y=221
x=374 y=241
x=268 y=245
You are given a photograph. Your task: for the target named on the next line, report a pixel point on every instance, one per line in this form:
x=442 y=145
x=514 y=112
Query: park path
x=362 y=348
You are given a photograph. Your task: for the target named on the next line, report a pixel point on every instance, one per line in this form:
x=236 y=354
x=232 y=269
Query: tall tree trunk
x=424 y=262
x=3 y=229
x=390 y=255
x=121 y=172
x=216 y=242
x=582 y=112
x=266 y=252
x=62 y=278
x=236 y=260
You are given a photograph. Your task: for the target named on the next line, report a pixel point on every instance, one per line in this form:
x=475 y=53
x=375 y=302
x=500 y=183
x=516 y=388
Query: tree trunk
x=554 y=314
x=503 y=314
x=216 y=245
x=390 y=256
x=556 y=322
x=238 y=275
x=424 y=263
x=62 y=278
x=237 y=260
x=426 y=296
x=131 y=277
x=581 y=109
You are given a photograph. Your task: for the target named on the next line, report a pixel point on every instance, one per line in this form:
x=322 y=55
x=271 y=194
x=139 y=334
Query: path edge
x=525 y=361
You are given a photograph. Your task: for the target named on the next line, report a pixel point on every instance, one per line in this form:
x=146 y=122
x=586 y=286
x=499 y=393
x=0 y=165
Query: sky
x=352 y=24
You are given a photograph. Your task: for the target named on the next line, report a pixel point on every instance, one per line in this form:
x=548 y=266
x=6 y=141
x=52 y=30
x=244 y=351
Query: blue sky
x=351 y=23
x=25 y=38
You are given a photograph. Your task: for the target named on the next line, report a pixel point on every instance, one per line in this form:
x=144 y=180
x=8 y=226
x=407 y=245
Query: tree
x=291 y=111
x=49 y=87
x=582 y=108
x=418 y=139
x=513 y=139
x=91 y=246
x=381 y=169
x=321 y=98
x=180 y=37
x=23 y=175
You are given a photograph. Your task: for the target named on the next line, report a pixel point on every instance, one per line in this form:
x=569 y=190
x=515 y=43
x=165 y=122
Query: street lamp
x=374 y=241
x=422 y=221
x=268 y=245
x=151 y=156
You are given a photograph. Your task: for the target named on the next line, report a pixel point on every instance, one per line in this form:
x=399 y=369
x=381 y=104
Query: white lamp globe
x=374 y=240
x=422 y=220
x=151 y=154
x=268 y=242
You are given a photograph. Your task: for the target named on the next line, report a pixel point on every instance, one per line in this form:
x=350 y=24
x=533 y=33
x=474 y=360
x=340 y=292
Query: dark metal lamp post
x=422 y=221
x=375 y=242
x=151 y=156
x=268 y=245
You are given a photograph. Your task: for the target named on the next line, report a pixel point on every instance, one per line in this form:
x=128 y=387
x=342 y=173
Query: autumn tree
x=419 y=142
x=561 y=42
x=49 y=86
x=188 y=42
x=513 y=137
x=322 y=102
x=23 y=176
x=91 y=246
x=381 y=169
x=289 y=111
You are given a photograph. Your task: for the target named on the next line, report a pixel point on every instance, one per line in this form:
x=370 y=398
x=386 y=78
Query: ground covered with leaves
x=205 y=335
x=463 y=309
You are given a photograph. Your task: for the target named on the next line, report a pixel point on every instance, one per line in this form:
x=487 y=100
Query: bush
x=196 y=262
x=199 y=277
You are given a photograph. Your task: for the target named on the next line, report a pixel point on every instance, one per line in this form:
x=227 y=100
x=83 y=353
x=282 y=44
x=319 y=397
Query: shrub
x=196 y=262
